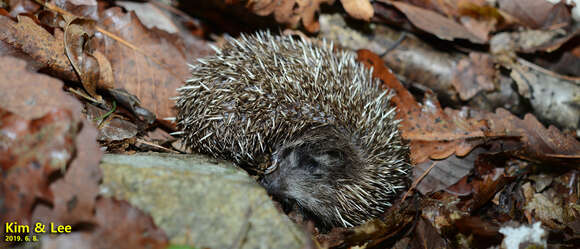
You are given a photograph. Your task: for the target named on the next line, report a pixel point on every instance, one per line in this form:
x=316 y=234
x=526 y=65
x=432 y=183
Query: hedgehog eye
x=308 y=162
x=285 y=153
x=335 y=154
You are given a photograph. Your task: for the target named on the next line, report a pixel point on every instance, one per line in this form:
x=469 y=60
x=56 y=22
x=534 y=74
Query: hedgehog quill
x=315 y=117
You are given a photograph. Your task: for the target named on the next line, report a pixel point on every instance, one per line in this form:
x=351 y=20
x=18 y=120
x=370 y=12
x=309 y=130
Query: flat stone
x=200 y=201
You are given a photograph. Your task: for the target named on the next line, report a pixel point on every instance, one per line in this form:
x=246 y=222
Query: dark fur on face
x=311 y=170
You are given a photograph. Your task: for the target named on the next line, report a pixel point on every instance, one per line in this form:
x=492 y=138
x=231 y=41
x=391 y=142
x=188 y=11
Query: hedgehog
x=310 y=121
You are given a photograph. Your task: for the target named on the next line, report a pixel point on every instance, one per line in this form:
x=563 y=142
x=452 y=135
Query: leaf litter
x=475 y=169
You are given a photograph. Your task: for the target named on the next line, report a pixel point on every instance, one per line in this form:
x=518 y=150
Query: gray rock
x=200 y=201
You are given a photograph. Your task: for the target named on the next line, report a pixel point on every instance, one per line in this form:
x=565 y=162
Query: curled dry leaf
x=359 y=9
x=94 y=70
x=290 y=12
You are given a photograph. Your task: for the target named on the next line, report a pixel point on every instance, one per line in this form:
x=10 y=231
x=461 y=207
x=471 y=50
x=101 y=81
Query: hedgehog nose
x=276 y=186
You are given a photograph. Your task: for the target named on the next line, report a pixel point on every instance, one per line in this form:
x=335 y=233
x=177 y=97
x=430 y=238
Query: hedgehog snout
x=275 y=184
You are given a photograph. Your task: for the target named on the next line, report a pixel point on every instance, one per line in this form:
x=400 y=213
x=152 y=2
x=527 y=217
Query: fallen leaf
x=474 y=74
x=119 y=225
x=485 y=232
x=77 y=36
x=550 y=213
x=290 y=12
x=116 y=217
x=359 y=9
x=111 y=129
x=30 y=152
x=151 y=70
x=76 y=192
x=537 y=143
x=30 y=94
x=436 y=24
x=427 y=237
x=41 y=46
x=83 y=8
x=445 y=173
x=530 y=12
x=433 y=133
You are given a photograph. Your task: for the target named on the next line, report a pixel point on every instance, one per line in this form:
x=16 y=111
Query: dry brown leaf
x=18 y=7
x=427 y=237
x=152 y=67
x=30 y=152
x=530 y=41
x=359 y=9
x=113 y=128
x=433 y=133
x=537 y=142
x=118 y=225
x=434 y=23
x=290 y=12
x=548 y=210
x=51 y=170
x=437 y=134
x=375 y=231
x=486 y=233
x=29 y=94
x=535 y=13
x=76 y=192
x=77 y=35
x=116 y=217
x=445 y=173
x=474 y=74
x=42 y=47
x=46 y=144
x=83 y=8
x=49 y=50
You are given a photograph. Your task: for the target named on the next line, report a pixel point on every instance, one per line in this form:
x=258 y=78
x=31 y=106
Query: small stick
x=416 y=182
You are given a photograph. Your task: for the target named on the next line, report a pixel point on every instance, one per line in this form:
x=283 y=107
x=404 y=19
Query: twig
x=157 y=146
x=416 y=182
x=395 y=44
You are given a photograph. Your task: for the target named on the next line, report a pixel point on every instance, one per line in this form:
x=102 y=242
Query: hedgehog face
x=311 y=172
